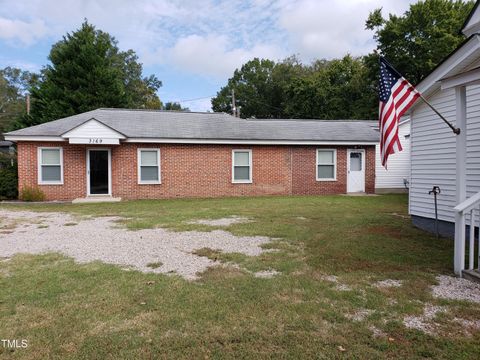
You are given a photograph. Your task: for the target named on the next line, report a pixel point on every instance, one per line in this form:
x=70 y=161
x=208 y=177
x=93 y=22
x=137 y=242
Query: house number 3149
x=95 y=141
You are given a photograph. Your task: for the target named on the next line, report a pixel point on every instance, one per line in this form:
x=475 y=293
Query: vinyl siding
x=433 y=154
x=398 y=164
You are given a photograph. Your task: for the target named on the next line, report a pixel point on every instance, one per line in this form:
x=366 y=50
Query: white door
x=355 y=171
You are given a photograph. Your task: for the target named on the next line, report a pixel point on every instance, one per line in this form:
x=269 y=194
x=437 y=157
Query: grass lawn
x=96 y=311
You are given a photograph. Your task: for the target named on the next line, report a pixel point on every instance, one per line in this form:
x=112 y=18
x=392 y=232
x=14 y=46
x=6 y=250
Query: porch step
x=472 y=275
x=96 y=199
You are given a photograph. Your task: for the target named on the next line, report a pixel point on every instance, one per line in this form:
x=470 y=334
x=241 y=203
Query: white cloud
x=213 y=55
x=327 y=29
x=18 y=63
x=219 y=34
x=25 y=32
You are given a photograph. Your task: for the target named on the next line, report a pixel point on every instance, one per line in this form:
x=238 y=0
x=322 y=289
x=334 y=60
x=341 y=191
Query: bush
x=8 y=177
x=30 y=193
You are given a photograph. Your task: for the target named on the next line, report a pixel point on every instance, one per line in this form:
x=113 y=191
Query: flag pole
x=455 y=130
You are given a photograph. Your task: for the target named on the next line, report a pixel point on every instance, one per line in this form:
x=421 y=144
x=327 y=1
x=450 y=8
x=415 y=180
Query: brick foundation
x=197 y=171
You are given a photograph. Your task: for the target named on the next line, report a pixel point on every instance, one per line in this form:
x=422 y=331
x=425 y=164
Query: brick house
x=140 y=154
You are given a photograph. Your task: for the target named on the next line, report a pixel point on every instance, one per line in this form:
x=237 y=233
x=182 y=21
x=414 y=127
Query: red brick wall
x=74 y=172
x=370 y=169
x=196 y=171
x=304 y=171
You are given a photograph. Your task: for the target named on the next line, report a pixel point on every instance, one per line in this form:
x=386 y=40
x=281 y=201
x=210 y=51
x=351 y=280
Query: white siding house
x=433 y=158
x=441 y=158
x=393 y=179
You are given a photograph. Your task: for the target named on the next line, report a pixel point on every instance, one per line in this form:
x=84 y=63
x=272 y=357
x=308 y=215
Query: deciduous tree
x=418 y=40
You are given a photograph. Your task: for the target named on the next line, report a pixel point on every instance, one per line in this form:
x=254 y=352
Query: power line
x=200 y=98
x=254 y=100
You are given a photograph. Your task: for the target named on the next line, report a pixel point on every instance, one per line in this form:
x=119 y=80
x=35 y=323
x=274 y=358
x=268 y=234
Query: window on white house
x=326 y=164
x=50 y=166
x=149 y=166
x=242 y=166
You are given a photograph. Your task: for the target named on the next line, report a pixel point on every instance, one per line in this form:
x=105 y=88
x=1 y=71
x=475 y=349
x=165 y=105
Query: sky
x=194 y=46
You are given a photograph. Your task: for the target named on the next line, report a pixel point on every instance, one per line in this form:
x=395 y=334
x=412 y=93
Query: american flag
x=396 y=96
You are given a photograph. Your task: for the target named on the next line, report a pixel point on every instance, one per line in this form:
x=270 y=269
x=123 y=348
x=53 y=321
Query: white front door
x=355 y=171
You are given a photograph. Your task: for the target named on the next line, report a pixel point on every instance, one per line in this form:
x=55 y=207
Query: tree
x=337 y=89
x=14 y=84
x=174 y=106
x=419 y=39
x=88 y=71
x=259 y=87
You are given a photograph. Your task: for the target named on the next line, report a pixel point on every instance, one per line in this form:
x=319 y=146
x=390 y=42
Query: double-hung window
x=326 y=164
x=242 y=166
x=50 y=165
x=148 y=166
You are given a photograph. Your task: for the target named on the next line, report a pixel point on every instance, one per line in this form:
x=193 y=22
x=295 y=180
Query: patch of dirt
x=343 y=287
x=468 y=326
x=102 y=239
x=4 y=273
x=425 y=322
x=388 y=283
x=401 y=216
x=266 y=274
x=330 y=278
x=454 y=288
x=222 y=221
x=377 y=333
x=334 y=279
x=359 y=315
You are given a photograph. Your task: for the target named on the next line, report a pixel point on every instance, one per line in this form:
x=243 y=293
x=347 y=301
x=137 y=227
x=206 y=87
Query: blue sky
x=193 y=46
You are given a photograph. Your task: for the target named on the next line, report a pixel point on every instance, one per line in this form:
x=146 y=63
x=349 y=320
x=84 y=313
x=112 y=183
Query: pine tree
x=88 y=71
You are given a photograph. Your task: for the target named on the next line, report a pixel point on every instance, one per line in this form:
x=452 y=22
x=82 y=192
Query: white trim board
x=93 y=129
x=139 y=165
x=250 y=166
x=246 y=142
x=334 y=165
x=109 y=170
x=39 y=165
x=205 y=141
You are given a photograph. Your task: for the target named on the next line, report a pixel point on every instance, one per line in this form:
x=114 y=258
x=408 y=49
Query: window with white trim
x=242 y=166
x=50 y=165
x=148 y=166
x=326 y=164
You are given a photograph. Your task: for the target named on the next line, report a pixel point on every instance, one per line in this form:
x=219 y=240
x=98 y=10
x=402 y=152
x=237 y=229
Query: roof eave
x=208 y=141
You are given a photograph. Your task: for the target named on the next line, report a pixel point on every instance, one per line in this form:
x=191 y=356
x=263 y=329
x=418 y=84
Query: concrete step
x=96 y=199
x=472 y=275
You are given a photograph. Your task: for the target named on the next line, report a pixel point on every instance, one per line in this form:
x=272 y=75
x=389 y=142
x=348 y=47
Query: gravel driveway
x=104 y=239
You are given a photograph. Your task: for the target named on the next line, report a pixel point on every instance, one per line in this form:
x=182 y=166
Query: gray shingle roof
x=208 y=126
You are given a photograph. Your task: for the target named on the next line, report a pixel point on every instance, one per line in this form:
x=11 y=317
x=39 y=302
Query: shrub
x=8 y=177
x=30 y=193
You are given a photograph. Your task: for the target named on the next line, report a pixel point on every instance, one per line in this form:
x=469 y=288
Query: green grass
x=71 y=311
x=154 y=265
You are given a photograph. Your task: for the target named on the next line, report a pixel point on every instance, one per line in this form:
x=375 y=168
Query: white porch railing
x=463 y=209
